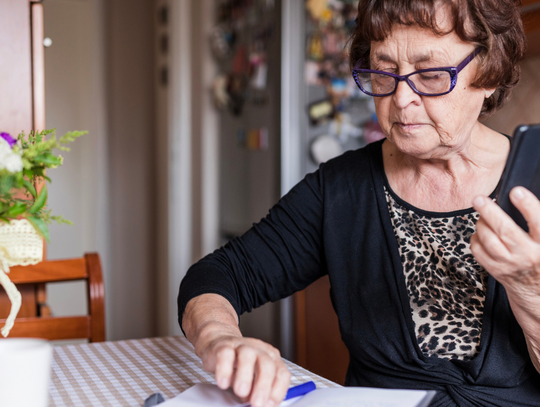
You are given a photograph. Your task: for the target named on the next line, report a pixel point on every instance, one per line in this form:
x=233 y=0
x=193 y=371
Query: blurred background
x=201 y=114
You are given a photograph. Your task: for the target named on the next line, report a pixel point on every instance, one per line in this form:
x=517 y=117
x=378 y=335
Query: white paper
x=361 y=397
x=211 y=396
x=204 y=395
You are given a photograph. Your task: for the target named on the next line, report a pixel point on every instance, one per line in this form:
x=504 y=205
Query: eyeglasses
x=425 y=82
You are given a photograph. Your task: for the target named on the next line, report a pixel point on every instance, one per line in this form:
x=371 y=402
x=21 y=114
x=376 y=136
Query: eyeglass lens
x=429 y=83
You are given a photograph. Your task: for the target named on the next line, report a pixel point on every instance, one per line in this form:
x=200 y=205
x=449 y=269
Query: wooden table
x=125 y=373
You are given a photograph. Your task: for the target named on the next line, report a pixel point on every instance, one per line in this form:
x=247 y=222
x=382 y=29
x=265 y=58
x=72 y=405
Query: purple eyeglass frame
x=453 y=71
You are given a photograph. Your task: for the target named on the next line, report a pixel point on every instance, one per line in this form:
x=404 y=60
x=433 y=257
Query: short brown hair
x=493 y=24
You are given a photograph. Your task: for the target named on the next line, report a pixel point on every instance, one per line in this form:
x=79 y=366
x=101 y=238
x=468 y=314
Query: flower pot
x=20 y=245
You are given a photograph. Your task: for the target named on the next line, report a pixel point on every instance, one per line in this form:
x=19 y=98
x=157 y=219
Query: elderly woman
x=434 y=285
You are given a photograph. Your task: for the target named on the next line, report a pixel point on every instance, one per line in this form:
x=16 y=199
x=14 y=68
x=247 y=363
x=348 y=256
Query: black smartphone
x=522 y=169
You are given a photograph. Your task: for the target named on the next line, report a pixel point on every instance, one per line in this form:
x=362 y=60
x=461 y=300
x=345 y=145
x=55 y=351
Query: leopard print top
x=446 y=285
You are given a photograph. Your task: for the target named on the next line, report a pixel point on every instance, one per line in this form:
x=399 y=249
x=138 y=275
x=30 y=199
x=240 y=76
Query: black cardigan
x=336 y=222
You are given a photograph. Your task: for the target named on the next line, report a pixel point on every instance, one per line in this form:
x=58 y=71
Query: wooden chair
x=34 y=318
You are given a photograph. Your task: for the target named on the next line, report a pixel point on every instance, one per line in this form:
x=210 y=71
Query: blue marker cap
x=300 y=390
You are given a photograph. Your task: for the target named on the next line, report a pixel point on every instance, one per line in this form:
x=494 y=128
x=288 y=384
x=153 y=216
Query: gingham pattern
x=125 y=373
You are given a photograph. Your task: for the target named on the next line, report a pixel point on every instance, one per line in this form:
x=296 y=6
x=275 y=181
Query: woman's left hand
x=506 y=251
x=512 y=257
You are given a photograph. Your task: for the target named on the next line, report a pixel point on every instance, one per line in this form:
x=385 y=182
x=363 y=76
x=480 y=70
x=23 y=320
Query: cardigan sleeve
x=276 y=257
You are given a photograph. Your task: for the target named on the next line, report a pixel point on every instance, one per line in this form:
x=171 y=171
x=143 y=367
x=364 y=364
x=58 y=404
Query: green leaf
x=40 y=201
x=71 y=136
x=18 y=180
x=47 y=132
x=6 y=183
x=61 y=220
x=48 y=159
x=39 y=171
x=30 y=188
x=17 y=209
x=40 y=226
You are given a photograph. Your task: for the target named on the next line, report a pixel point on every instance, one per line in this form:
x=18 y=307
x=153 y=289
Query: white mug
x=25 y=371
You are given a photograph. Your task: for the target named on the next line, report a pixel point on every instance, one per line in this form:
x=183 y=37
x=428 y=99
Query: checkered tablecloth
x=125 y=373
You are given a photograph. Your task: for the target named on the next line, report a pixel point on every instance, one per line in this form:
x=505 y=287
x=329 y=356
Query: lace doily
x=20 y=245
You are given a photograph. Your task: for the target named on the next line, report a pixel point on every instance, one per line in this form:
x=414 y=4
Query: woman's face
x=422 y=126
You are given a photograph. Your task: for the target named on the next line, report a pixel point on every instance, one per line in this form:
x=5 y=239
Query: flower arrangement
x=23 y=162
x=23 y=198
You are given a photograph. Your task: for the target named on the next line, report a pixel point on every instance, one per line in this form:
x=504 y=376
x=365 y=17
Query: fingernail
x=222 y=383
x=270 y=403
x=518 y=194
x=243 y=390
x=259 y=402
x=478 y=202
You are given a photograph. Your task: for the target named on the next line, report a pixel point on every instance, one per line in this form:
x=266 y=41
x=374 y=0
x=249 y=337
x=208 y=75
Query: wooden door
x=531 y=22
x=22 y=99
x=319 y=347
x=15 y=67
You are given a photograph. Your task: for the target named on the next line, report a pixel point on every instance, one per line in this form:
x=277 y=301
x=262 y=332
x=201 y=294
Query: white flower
x=9 y=160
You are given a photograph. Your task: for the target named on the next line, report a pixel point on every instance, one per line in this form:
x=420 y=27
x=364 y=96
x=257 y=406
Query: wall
x=187 y=150
x=131 y=125
x=175 y=164
x=100 y=77
x=75 y=94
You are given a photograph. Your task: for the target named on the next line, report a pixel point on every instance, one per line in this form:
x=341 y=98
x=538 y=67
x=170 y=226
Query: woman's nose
x=404 y=95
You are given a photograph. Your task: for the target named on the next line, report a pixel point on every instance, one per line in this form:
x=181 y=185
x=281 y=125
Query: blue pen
x=300 y=390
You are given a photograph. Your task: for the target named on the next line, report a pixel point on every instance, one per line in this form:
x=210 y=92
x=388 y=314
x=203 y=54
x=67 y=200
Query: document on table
x=210 y=395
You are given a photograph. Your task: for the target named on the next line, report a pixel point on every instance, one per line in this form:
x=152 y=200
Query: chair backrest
x=31 y=279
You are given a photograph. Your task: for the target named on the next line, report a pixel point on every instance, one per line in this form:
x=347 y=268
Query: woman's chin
x=417 y=144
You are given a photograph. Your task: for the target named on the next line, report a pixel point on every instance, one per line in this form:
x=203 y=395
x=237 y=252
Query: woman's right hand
x=253 y=368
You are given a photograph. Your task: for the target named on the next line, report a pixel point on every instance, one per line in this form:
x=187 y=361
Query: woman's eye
x=430 y=76
x=384 y=69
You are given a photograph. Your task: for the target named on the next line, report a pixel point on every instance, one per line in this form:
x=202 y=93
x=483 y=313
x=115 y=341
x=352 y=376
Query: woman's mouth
x=408 y=126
